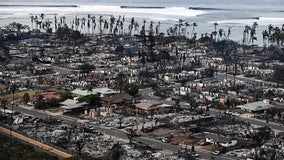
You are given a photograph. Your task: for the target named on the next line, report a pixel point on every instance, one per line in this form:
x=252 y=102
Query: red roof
x=118 y=98
x=50 y=96
x=46 y=97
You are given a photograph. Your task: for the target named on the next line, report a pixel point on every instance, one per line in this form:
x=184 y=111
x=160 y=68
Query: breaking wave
x=260 y=20
x=205 y=8
x=141 y=7
x=22 y=5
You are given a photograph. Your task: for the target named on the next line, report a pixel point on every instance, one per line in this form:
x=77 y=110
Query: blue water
x=227 y=13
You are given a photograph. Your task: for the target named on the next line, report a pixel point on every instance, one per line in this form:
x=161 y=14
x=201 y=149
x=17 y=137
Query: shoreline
x=35 y=5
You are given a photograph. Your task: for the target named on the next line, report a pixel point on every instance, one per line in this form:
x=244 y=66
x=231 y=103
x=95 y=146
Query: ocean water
x=234 y=14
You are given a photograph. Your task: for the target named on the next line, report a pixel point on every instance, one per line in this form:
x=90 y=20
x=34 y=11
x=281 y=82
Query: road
x=222 y=76
x=36 y=143
x=148 y=93
x=115 y=132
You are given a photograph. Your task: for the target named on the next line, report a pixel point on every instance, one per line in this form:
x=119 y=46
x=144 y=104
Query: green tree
x=39 y=102
x=53 y=102
x=86 y=68
x=279 y=74
x=120 y=79
x=26 y=98
x=94 y=101
x=65 y=95
x=131 y=88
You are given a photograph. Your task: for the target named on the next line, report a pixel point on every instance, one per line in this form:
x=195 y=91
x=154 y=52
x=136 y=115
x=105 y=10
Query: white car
x=215 y=152
x=236 y=114
x=194 y=154
x=228 y=112
x=165 y=140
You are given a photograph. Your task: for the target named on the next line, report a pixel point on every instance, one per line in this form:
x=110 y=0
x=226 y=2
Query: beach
x=228 y=14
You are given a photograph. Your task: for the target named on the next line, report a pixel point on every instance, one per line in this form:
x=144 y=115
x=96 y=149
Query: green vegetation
x=26 y=98
x=279 y=74
x=131 y=88
x=93 y=100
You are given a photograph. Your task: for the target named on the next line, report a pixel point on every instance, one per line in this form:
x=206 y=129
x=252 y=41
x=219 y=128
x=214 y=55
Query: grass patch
x=18 y=97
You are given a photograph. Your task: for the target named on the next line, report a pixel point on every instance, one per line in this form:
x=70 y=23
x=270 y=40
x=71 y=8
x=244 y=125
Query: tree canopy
x=279 y=74
x=131 y=88
x=26 y=98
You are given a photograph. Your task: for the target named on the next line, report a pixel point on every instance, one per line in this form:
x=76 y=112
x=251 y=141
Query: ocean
x=233 y=14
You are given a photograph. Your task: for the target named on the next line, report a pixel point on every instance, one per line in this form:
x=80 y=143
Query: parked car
x=165 y=140
x=98 y=133
x=204 y=143
x=231 y=154
x=174 y=143
x=201 y=141
x=228 y=112
x=194 y=154
x=147 y=130
x=215 y=152
x=236 y=114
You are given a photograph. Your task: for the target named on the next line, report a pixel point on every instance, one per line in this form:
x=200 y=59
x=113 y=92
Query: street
x=115 y=132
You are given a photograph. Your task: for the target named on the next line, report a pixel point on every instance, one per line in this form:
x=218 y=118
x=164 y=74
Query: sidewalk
x=251 y=116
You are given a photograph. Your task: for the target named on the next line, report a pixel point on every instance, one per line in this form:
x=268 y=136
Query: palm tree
x=83 y=21
x=47 y=26
x=215 y=26
x=42 y=16
x=215 y=31
x=265 y=36
x=121 y=25
x=277 y=36
x=180 y=24
x=131 y=25
x=193 y=28
x=13 y=90
x=94 y=23
x=100 y=23
x=143 y=32
x=158 y=28
x=171 y=32
x=111 y=25
x=32 y=20
x=136 y=26
x=89 y=23
x=229 y=33
x=77 y=22
x=55 y=22
x=4 y=103
x=186 y=25
x=246 y=34
x=251 y=31
x=106 y=26
x=62 y=20
x=221 y=33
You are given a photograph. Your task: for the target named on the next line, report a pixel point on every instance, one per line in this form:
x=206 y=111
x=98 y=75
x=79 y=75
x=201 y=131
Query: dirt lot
x=19 y=95
x=177 y=136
